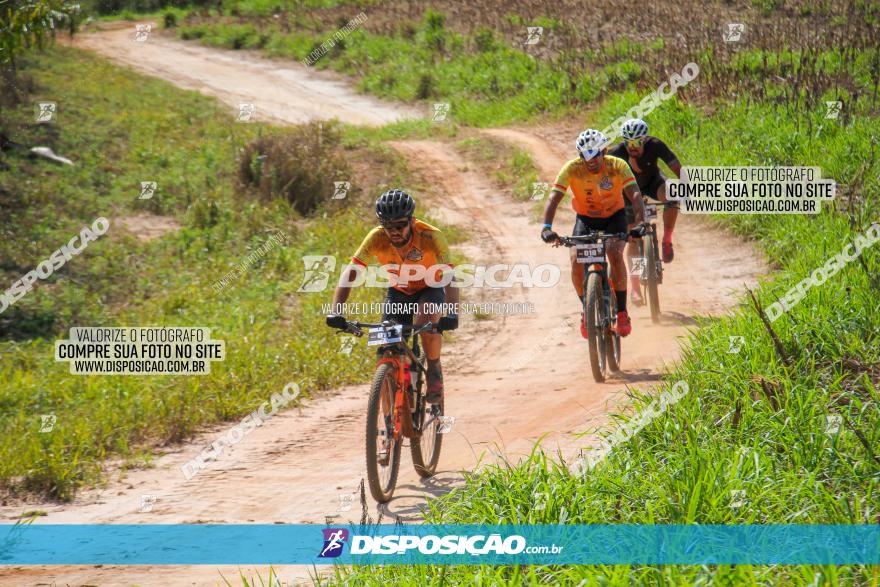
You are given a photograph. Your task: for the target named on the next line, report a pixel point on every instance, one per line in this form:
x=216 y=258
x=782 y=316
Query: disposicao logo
x=334 y=540
x=444 y=545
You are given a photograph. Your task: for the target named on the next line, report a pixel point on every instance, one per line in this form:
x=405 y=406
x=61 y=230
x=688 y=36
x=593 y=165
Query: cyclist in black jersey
x=642 y=152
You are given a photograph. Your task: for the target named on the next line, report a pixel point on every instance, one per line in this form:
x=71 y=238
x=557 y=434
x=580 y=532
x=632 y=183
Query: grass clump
x=299 y=166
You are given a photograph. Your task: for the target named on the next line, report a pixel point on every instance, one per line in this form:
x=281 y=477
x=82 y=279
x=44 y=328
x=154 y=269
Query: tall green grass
x=760 y=421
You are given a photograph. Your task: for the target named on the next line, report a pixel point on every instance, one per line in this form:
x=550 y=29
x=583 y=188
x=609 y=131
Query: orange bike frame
x=402 y=417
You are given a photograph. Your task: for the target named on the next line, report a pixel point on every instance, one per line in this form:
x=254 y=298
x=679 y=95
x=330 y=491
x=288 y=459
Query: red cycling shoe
x=624 y=326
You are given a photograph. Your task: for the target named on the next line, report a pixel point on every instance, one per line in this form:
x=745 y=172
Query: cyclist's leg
x=396 y=307
x=577 y=269
x=632 y=249
x=614 y=252
x=429 y=300
x=670 y=216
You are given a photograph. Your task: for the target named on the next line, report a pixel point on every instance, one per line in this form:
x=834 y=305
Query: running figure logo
x=441 y=109
x=47 y=422
x=734 y=32
x=832 y=109
x=317 y=272
x=334 y=540
x=539 y=190
x=340 y=189
x=148 y=189
x=246 y=112
x=534 y=34
x=45 y=111
x=638 y=266
x=142 y=32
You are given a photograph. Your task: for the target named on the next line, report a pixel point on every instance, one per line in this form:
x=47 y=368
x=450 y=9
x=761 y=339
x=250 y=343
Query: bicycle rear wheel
x=612 y=339
x=594 y=311
x=651 y=277
x=382 y=474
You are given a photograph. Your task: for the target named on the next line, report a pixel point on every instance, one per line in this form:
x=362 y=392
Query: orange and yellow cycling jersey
x=598 y=195
x=427 y=248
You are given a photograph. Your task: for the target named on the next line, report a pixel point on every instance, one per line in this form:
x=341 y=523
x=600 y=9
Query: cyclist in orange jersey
x=599 y=183
x=402 y=241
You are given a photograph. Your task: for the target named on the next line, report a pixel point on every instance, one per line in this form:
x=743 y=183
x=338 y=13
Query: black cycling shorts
x=396 y=301
x=396 y=305
x=614 y=223
x=649 y=190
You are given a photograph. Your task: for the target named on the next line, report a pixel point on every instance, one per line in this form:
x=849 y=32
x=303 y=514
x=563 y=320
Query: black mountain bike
x=652 y=270
x=600 y=303
x=397 y=407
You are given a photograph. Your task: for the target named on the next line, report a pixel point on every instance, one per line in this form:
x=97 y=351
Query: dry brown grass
x=589 y=36
x=299 y=165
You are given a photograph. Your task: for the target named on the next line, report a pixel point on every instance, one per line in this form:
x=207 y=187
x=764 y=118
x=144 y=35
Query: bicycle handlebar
x=574 y=240
x=357 y=328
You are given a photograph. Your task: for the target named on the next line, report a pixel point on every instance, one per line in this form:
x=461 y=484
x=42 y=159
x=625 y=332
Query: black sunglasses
x=395 y=225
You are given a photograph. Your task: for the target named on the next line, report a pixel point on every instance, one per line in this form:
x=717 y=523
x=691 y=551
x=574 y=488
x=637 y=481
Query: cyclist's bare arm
x=340 y=296
x=556 y=196
x=675 y=167
x=452 y=293
x=637 y=201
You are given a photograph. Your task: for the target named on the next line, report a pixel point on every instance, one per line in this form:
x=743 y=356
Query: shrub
x=299 y=165
x=426 y=87
x=485 y=40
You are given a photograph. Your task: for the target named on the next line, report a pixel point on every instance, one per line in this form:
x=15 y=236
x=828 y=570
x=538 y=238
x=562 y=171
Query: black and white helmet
x=590 y=143
x=634 y=128
x=394 y=204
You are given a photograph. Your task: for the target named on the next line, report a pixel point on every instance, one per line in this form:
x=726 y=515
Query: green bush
x=484 y=40
x=299 y=165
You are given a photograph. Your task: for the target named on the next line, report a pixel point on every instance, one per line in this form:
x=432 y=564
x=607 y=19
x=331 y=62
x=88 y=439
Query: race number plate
x=592 y=253
x=650 y=212
x=382 y=335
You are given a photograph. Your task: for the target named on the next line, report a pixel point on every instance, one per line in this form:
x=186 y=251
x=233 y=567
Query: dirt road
x=285 y=92
x=510 y=380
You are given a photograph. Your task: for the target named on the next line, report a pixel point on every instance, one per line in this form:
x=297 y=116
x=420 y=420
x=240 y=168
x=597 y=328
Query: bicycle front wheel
x=426 y=449
x=594 y=312
x=651 y=260
x=383 y=449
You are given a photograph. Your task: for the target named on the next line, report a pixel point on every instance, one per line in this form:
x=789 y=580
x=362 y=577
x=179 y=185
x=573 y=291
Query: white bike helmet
x=634 y=128
x=590 y=143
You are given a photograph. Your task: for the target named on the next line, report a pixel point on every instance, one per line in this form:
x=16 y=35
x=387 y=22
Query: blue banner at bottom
x=46 y=544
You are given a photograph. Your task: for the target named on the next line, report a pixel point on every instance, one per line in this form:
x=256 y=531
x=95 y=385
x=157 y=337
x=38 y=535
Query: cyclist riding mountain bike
x=403 y=242
x=599 y=184
x=642 y=153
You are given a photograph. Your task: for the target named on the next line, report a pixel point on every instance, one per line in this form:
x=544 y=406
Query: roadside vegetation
x=772 y=434
x=120 y=128
x=477 y=59
x=788 y=426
